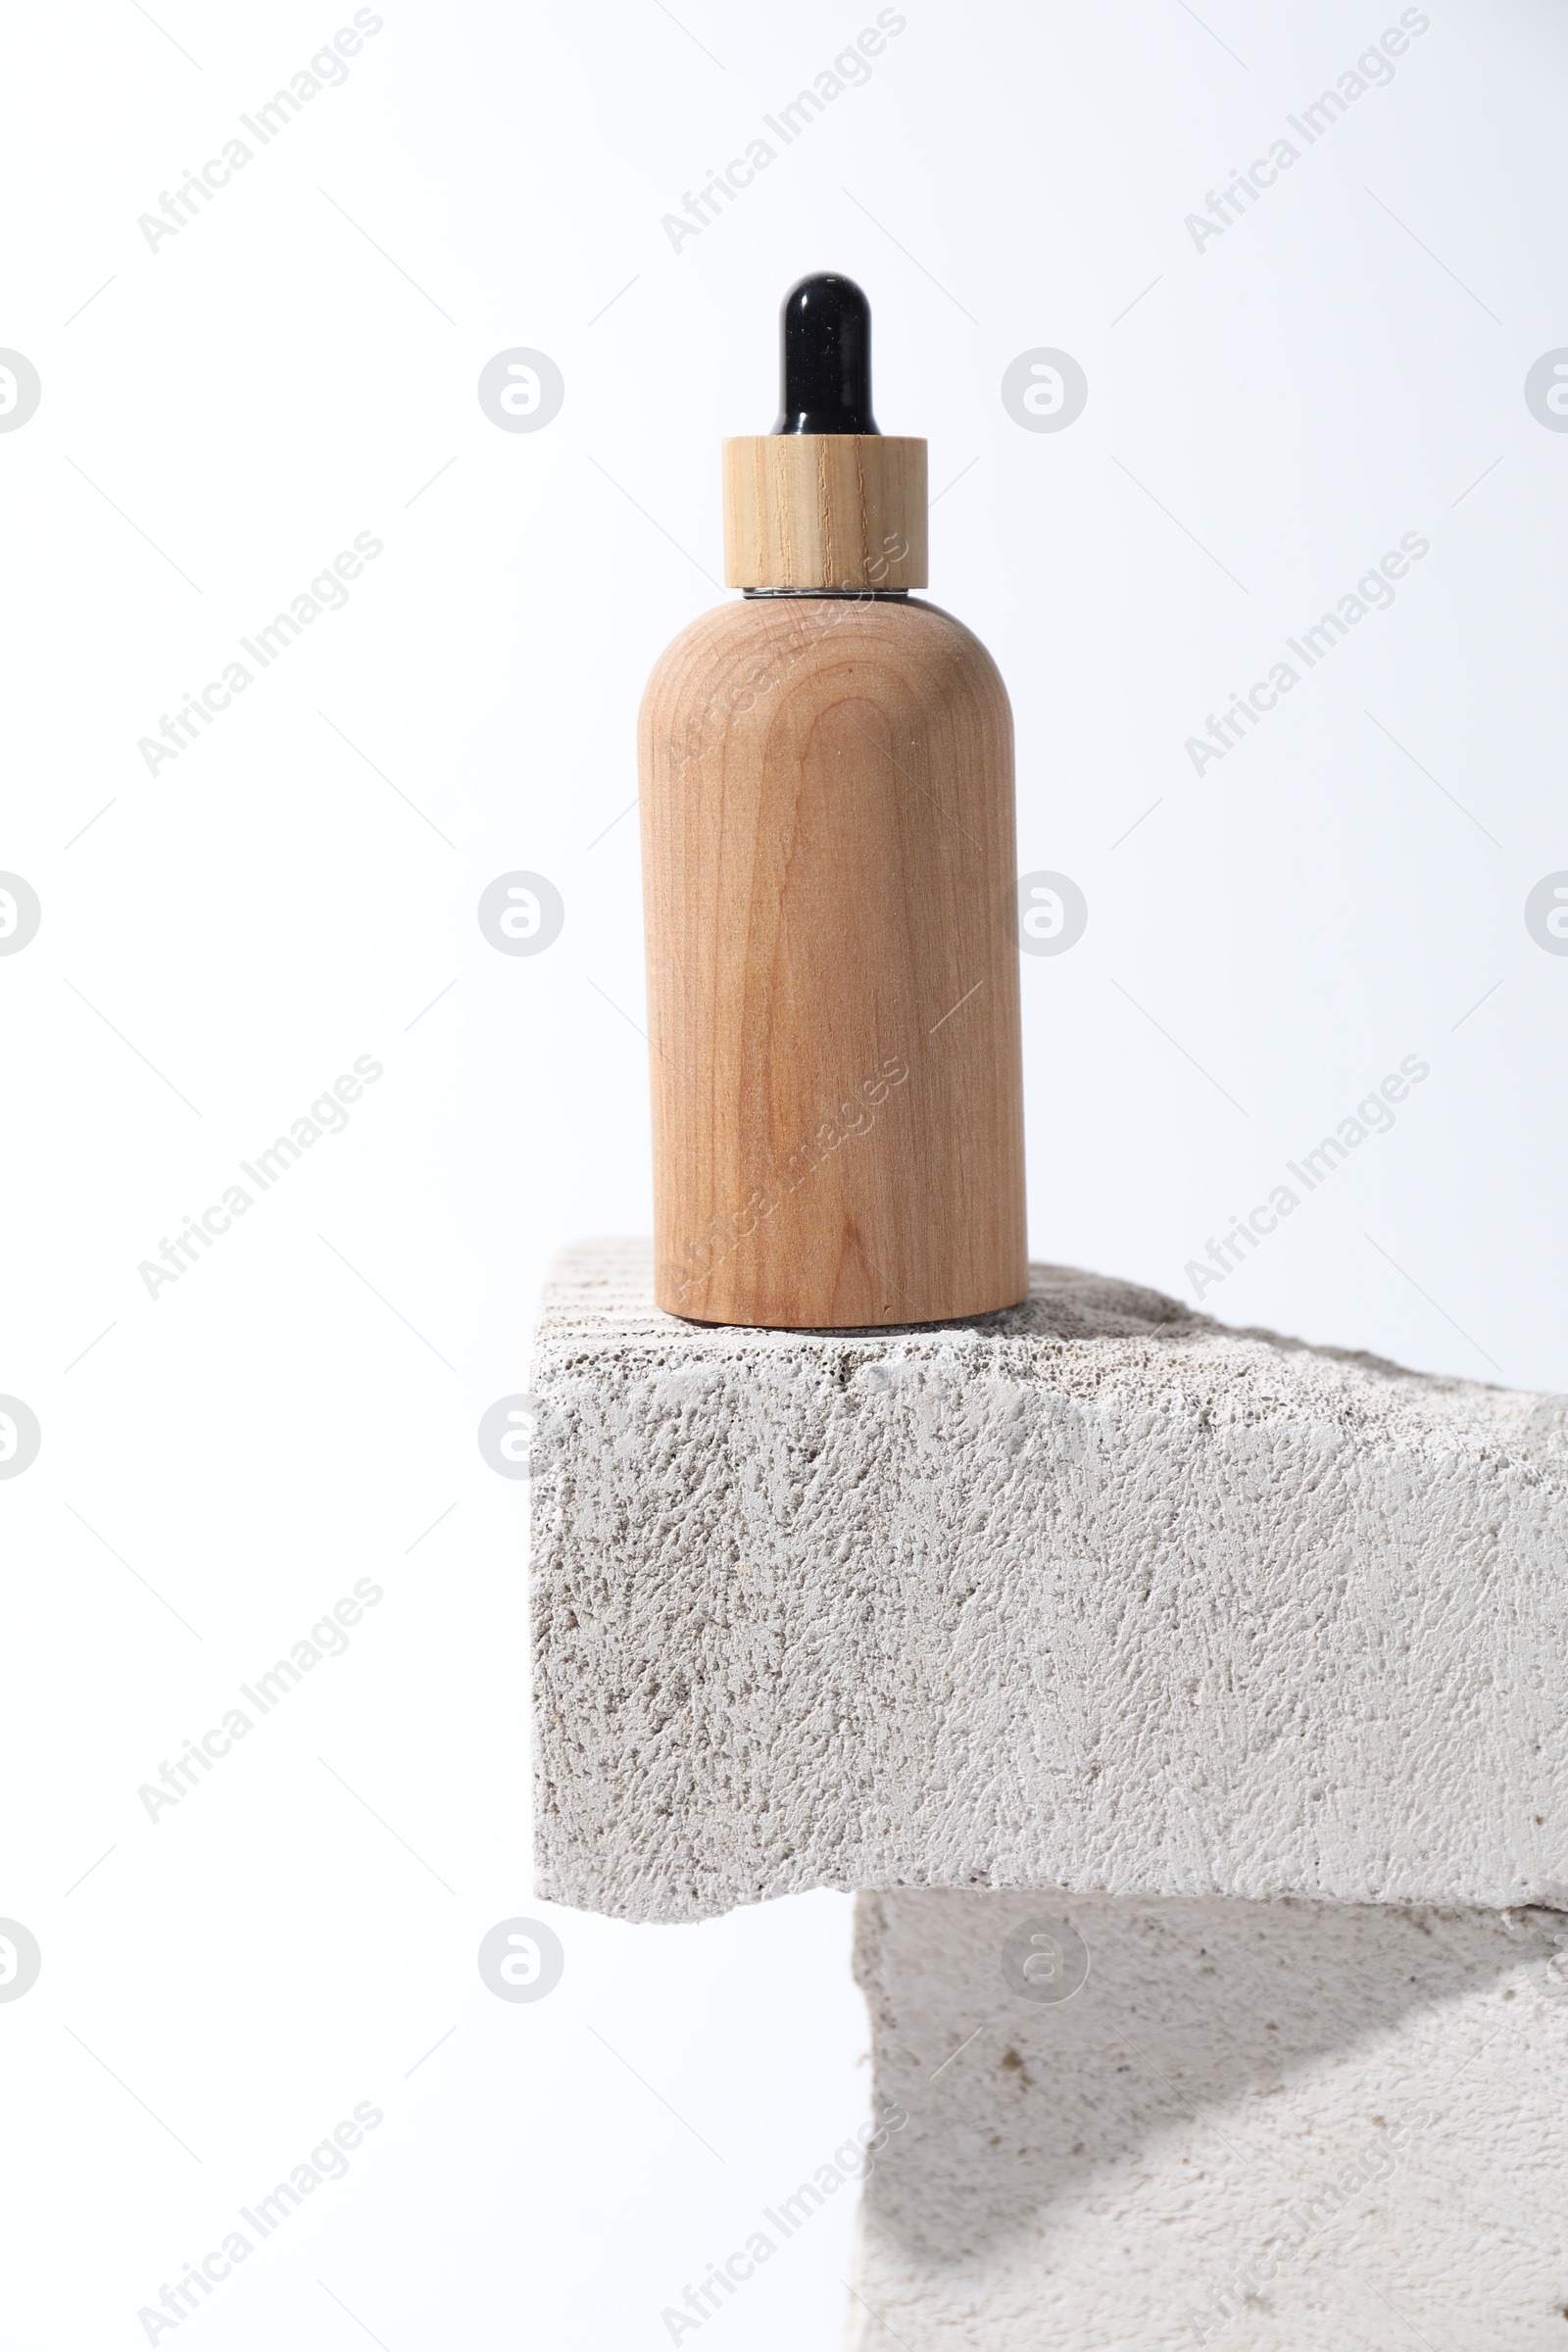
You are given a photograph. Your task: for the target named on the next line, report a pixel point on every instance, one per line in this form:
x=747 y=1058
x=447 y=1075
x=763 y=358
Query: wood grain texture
x=824 y=510
x=828 y=876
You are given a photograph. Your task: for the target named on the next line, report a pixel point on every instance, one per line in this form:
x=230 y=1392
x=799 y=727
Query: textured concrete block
x=1261 y=2125
x=1094 y=1594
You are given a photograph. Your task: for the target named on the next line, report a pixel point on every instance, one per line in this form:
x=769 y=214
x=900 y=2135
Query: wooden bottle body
x=829 y=878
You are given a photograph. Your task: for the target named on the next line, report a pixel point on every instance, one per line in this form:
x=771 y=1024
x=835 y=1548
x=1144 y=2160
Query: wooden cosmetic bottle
x=829 y=884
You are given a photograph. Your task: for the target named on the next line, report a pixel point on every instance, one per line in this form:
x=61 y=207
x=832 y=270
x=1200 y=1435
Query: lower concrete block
x=1287 y=2127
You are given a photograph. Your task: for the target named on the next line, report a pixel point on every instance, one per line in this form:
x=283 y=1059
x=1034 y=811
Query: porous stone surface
x=1269 y=2126
x=1094 y=1594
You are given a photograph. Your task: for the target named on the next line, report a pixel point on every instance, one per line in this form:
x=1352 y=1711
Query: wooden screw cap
x=824 y=510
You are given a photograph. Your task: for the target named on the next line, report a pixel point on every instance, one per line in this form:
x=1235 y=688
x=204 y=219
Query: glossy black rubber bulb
x=826 y=357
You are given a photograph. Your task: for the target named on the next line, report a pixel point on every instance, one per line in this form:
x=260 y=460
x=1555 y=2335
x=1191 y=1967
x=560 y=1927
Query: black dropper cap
x=826 y=357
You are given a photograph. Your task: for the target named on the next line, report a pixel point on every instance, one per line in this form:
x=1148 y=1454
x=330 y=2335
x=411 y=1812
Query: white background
x=298 y=364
